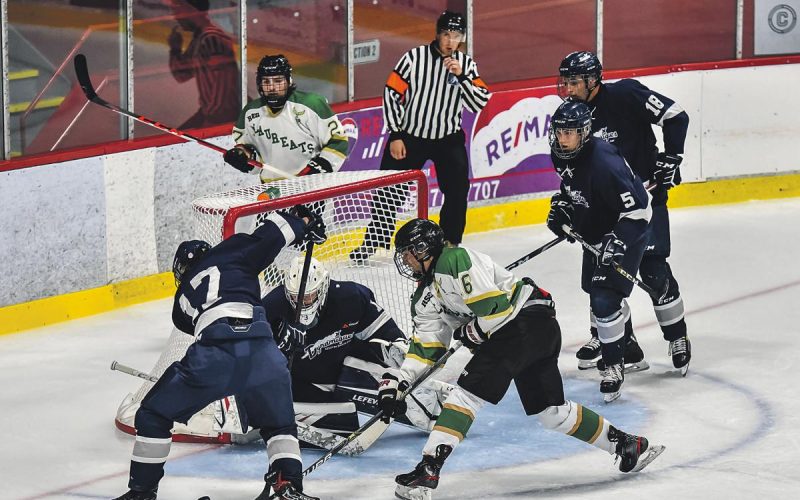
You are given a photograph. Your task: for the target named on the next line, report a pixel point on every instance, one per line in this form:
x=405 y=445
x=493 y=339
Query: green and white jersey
x=467 y=285
x=306 y=127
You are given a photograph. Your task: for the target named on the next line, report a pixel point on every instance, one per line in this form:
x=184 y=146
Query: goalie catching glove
x=667 y=172
x=239 y=155
x=388 y=391
x=317 y=165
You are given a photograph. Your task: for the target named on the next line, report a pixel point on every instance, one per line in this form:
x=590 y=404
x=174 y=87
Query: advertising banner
x=506 y=143
x=775 y=27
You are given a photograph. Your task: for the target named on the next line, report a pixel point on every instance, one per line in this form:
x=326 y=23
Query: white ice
x=730 y=427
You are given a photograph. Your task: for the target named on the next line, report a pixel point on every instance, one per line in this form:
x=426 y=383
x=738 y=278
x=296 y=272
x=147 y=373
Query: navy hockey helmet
x=424 y=239
x=276 y=65
x=577 y=66
x=451 y=21
x=186 y=256
x=571 y=117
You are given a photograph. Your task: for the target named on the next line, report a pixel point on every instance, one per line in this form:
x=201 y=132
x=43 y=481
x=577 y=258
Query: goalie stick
x=82 y=74
x=308 y=433
x=596 y=251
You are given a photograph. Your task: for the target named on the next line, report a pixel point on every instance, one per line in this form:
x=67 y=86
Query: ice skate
x=634 y=358
x=681 y=352
x=139 y=495
x=588 y=353
x=633 y=452
x=611 y=384
x=420 y=482
x=283 y=488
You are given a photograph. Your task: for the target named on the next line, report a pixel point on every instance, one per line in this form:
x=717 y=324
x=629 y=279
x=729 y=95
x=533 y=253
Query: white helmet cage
x=316 y=288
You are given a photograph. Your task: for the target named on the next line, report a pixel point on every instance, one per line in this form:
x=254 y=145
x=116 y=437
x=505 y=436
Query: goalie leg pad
x=574 y=419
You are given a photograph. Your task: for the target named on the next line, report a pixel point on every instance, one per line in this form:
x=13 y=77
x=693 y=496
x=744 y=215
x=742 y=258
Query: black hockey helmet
x=424 y=239
x=451 y=21
x=570 y=115
x=186 y=256
x=579 y=65
x=276 y=65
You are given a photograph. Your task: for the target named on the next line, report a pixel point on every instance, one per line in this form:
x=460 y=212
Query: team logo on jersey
x=577 y=197
x=333 y=341
x=607 y=135
x=566 y=171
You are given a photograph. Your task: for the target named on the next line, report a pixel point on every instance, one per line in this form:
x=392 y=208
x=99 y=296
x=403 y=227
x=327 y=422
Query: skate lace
x=613 y=372
x=592 y=344
x=677 y=346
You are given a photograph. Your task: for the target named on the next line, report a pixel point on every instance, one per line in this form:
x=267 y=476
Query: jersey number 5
x=627 y=199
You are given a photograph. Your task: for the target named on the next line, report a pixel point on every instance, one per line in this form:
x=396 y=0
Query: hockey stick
x=572 y=234
x=547 y=246
x=364 y=429
x=82 y=73
x=308 y=433
x=301 y=295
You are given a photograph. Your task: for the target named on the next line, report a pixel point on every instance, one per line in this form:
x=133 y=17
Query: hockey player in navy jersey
x=510 y=325
x=605 y=202
x=623 y=113
x=219 y=302
x=341 y=346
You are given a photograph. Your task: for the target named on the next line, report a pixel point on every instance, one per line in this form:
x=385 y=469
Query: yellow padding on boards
x=75 y=305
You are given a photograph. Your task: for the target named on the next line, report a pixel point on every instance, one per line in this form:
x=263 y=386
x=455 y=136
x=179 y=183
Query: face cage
x=561 y=85
x=404 y=269
x=271 y=100
x=566 y=154
x=309 y=314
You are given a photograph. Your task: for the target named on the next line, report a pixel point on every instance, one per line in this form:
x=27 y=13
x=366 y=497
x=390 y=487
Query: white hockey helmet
x=316 y=288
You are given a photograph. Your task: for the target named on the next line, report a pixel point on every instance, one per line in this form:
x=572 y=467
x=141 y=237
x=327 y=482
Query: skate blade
x=587 y=364
x=684 y=369
x=413 y=492
x=652 y=452
x=610 y=397
x=636 y=367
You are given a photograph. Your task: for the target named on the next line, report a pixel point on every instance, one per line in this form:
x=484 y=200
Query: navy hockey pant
x=253 y=370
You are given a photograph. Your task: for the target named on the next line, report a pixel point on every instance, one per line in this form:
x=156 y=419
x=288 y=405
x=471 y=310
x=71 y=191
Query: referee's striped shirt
x=423 y=99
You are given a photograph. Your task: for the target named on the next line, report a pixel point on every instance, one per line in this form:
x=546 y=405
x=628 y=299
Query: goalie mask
x=421 y=238
x=570 y=129
x=579 y=67
x=316 y=290
x=270 y=69
x=186 y=256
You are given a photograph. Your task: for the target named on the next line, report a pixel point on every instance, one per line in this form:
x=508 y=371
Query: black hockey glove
x=317 y=165
x=388 y=391
x=315 y=227
x=292 y=337
x=668 y=172
x=470 y=335
x=561 y=212
x=612 y=250
x=238 y=156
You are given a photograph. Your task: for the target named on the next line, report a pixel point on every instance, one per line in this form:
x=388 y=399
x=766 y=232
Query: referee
x=422 y=104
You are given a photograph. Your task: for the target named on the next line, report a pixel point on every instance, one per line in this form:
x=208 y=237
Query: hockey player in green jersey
x=291 y=130
x=510 y=325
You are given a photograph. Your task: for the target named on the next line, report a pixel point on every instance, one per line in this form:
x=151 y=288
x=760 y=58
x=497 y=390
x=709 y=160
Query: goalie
x=341 y=346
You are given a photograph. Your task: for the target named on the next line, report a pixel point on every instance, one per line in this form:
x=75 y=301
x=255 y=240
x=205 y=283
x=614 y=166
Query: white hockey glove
x=393 y=352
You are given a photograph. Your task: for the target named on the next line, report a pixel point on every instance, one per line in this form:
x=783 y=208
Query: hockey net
x=345 y=200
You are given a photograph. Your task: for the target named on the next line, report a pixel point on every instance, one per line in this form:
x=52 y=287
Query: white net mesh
x=349 y=202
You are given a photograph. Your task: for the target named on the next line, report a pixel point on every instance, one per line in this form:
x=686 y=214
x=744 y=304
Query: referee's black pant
x=449 y=155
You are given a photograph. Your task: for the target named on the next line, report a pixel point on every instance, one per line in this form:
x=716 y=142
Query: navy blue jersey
x=606 y=194
x=224 y=283
x=349 y=315
x=622 y=114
